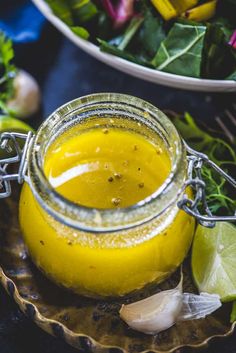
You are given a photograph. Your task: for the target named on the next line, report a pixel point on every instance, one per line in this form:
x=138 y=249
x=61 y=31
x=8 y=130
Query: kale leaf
x=149 y=37
x=218 y=60
x=140 y=40
x=181 y=52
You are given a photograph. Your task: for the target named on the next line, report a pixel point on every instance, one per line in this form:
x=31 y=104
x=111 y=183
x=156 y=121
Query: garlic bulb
x=162 y=310
x=26 y=98
x=156 y=313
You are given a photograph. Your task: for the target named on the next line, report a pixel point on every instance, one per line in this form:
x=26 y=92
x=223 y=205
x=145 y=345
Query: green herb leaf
x=117 y=46
x=62 y=10
x=130 y=32
x=74 y=13
x=82 y=10
x=232 y=76
x=233 y=313
x=181 y=52
x=6 y=49
x=218 y=191
x=80 y=31
x=111 y=49
x=7 y=69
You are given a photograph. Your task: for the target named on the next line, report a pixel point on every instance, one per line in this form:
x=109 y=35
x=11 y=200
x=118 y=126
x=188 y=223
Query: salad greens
x=139 y=42
x=136 y=31
x=73 y=13
x=219 y=193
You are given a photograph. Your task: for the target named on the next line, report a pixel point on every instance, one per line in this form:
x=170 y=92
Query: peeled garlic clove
x=198 y=306
x=26 y=97
x=156 y=313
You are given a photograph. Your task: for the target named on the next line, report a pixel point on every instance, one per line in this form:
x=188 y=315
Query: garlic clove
x=162 y=310
x=156 y=313
x=26 y=98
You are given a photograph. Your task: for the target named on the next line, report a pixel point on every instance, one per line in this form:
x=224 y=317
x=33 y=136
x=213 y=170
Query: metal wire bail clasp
x=196 y=182
x=15 y=145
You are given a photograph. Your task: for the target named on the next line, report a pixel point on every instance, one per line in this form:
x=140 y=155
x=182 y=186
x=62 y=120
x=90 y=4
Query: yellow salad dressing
x=103 y=168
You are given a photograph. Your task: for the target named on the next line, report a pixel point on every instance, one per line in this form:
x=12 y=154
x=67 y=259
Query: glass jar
x=106 y=252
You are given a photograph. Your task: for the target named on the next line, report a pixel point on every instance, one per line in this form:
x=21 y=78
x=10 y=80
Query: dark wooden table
x=64 y=72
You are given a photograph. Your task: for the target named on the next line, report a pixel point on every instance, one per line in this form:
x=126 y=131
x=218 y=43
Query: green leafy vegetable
x=140 y=40
x=225 y=25
x=82 y=10
x=80 y=31
x=130 y=32
x=111 y=49
x=232 y=76
x=149 y=37
x=7 y=69
x=135 y=31
x=217 y=189
x=180 y=53
x=118 y=45
x=74 y=13
x=103 y=26
x=61 y=9
x=233 y=313
x=217 y=58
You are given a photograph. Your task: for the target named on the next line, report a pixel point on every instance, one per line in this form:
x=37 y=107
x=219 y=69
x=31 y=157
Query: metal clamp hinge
x=15 y=145
x=196 y=160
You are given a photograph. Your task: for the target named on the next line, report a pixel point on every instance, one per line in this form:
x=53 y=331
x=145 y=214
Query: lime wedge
x=214 y=260
x=9 y=124
x=233 y=313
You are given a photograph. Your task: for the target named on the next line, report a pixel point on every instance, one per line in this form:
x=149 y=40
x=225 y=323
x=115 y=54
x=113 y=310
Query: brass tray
x=84 y=323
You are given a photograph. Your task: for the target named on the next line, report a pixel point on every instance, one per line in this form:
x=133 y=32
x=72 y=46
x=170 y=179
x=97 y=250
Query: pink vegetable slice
x=120 y=11
x=232 y=40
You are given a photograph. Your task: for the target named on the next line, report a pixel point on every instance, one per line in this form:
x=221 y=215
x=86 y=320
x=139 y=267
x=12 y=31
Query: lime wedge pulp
x=214 y=260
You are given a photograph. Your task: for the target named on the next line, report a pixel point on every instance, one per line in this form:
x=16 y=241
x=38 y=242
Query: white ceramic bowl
x=130 y=68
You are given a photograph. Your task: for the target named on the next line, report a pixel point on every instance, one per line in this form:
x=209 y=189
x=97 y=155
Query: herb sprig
x=218 y=191
x=7 y=71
